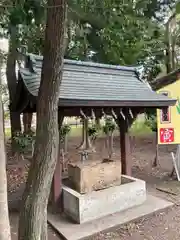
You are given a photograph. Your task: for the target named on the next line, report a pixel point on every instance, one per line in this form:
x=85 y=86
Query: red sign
x=166 y=135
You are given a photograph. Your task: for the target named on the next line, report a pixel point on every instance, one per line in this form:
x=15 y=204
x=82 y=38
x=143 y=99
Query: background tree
x=172 y=35
x=4 y=214
x=119 y=33
x=33 y=217
x=15 y=17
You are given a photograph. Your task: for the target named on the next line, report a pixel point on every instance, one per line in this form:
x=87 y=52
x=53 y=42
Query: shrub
x=109 y=126
x=65 y=129
x=151 y=119
x=23 y=141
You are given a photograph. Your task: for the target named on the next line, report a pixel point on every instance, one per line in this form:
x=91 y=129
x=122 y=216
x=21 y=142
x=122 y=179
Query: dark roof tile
x=93 y=81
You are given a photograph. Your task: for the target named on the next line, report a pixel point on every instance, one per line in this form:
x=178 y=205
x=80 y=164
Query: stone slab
x=87 y=207
x=170 y=187
x=94 y=175
x=71 y=231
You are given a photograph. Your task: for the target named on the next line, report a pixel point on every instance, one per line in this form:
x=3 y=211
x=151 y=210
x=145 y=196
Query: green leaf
x=178 y=7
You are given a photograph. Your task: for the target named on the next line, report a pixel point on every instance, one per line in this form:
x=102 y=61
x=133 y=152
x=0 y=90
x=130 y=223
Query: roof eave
x=75 y=103
x=107 y=103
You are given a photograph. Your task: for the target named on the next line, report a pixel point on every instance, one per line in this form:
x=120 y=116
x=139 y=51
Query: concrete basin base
x=90 y=206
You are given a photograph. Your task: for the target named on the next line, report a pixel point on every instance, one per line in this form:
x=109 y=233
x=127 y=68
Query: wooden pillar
x=126 y=158
x=156 y=158
x=57 y=178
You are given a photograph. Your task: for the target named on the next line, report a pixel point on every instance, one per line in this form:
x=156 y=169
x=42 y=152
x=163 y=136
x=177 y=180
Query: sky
x=3 y=44
x=4 y=48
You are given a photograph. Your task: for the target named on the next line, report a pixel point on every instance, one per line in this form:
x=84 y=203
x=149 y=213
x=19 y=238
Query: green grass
x=8 y=132
x=76 y=131
x=138 y=129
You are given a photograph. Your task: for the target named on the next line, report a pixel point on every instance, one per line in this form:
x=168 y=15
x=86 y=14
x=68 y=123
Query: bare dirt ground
x=160 y=226
x=14 y=226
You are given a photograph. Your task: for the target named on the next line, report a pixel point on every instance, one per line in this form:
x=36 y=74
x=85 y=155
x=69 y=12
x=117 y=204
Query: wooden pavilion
x=88 y=86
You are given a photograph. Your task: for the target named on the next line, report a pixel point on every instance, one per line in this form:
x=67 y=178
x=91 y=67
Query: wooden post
x=156 y=158
x=124 y=122
x=126 y=159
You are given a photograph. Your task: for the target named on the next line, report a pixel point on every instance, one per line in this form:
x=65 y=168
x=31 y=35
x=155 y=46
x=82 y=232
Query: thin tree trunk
x=111 y=144
x=98 y=123
x=27 y=121
x=41 y=172
x=167 y=60
x=173 y=52
x=168 y=49
x=11 y=80
x=86 y=141
x=27 y=117
x=169 y=57
x=4 y=214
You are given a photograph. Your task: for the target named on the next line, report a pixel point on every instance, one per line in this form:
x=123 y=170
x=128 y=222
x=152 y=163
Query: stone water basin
x=89 y=206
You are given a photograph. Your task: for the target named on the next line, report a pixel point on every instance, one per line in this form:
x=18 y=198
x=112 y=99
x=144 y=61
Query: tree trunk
x=168 y=49
x=169 y=57
x=11 y=79
x=5 y=233
x=167 y=61
x=27 y=121
x=35 y=197
x=44 y=233
x=111 y=145
x=4 y=214
x=173 y=53
x=98 y=123
x=86 y=141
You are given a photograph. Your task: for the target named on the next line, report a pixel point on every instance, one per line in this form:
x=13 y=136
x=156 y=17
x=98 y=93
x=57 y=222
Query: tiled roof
x=91 y=81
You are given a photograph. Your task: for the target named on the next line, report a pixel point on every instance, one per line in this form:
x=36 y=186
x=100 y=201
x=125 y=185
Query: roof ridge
x=34 y=58
x=81 y=87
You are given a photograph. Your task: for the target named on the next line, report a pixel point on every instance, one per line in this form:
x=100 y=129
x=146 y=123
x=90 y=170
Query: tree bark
x=44 y=233
x=169 y=55
x=27 y=121
x=11 y=79
x=35 y=197
x=86 y=141
x=5 y=233
x=174 y=57
x=98 y=123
